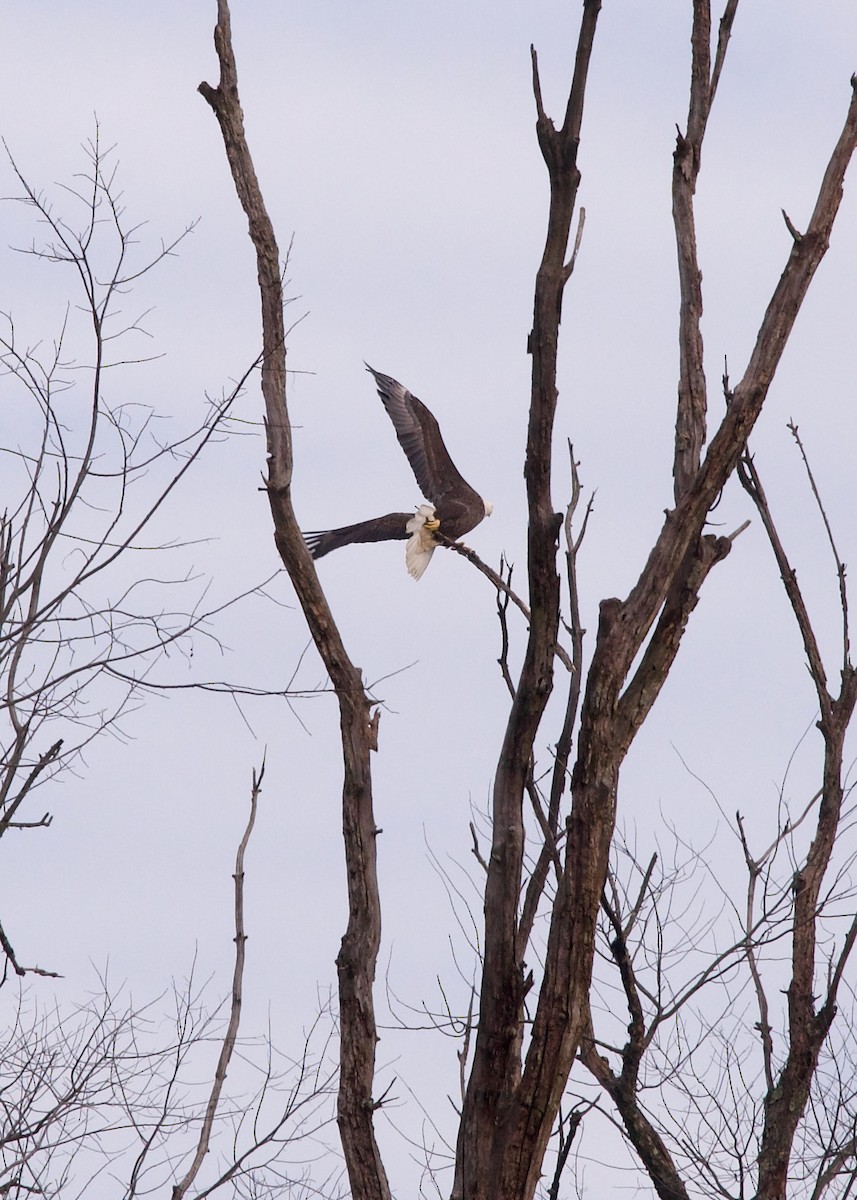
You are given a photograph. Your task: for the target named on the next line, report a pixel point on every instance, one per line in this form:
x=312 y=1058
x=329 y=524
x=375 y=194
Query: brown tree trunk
x=483 y=1143
x=359 y=951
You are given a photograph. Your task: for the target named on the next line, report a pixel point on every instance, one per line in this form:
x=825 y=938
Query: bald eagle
x=455 y=507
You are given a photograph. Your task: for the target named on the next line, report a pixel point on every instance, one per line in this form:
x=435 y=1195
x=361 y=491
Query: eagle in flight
x=455 y=507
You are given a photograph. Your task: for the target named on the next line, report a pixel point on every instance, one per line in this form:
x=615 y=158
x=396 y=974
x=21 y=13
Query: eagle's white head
x=489 y=507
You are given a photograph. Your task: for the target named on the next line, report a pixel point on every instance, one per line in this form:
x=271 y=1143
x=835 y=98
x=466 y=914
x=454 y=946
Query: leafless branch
x=502 y=585
x=230 y=1037
x=840 y=565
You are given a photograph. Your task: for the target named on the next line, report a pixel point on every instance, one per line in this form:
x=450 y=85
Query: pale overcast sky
x=395 y=143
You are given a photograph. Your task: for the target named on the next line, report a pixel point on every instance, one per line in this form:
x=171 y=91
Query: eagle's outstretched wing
x=389 y=528
x=459 y=506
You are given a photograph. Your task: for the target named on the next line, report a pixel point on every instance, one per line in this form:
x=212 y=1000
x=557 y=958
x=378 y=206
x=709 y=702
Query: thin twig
x=231 y=1035
x=763 y=1025
x=840 y=565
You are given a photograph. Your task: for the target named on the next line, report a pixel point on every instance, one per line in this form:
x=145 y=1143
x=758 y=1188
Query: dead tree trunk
x=495 y=1073
x=359 y=951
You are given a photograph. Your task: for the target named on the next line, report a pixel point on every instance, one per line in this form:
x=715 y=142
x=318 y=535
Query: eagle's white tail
x=421 y=545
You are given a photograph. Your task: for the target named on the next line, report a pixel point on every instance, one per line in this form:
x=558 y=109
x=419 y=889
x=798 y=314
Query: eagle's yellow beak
x=433 y=524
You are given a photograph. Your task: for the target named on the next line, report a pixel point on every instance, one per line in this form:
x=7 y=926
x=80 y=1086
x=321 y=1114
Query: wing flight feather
x=391 y=527
x=420 y=438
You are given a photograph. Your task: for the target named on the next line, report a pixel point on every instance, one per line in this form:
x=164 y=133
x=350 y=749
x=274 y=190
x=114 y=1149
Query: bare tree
x=534 y=1016
x=88 y=605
